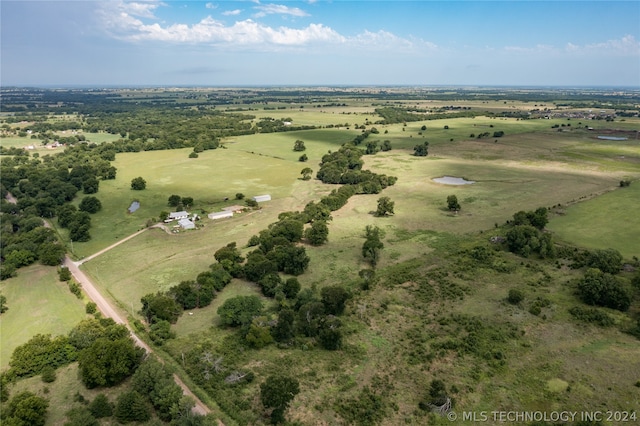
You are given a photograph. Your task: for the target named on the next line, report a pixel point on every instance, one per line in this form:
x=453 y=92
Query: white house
x=261 y=198
x=176 y=216
x=220 y=215
x=186 y=224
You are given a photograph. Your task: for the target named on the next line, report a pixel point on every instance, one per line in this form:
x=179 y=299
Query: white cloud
x=211 y=6
x=140 y=9
x=278 y=9
x=232 y=12
x=120 y=22
x=625 y=46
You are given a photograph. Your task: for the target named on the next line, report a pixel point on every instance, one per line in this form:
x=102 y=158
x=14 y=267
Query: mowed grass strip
x=38 y=303
x=610 y=220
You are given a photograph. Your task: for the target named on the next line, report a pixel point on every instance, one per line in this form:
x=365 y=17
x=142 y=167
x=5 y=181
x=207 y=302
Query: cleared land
x=435 y=312
x=38 y=304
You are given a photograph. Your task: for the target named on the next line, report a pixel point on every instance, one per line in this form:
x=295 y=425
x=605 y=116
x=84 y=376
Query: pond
x=451 y=180
x=135 y=205
x=612 y=138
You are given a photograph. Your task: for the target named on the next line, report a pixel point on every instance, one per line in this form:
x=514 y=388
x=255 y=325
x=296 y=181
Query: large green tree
x=276 y=393
x=25 y=409
x=108 y=362
x=239 y=310
x=385 y=206
x=138 y=183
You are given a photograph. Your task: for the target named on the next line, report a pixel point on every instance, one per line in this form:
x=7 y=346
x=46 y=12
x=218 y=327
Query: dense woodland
x=50 y=186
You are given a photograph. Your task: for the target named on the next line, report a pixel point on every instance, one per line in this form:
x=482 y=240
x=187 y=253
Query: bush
x=132 y=407
x=515 y=296
x=138 y=184
x=101 y=407
x=91 y=308
x=603 y=289
x=48 y=374
x=591 y=315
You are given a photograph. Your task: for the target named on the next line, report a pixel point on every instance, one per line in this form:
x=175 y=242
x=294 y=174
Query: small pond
x=612 y=138
x=135 y=205
x=450 y=180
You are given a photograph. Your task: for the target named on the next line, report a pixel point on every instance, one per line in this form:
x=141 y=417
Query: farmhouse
x=220 y=215
x=261 y=198
x=176 y=216
x=186 y=224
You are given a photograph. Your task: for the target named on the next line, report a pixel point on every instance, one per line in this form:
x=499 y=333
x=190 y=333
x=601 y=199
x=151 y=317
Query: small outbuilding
x=262 y=198
x=186 y=224
x=220 y=215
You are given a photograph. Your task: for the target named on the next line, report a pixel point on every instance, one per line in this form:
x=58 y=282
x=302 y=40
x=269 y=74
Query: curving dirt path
x=108 y=311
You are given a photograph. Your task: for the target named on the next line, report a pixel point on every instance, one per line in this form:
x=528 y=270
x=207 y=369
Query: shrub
x=101 y=407
x=591 y=315
x=515 y=296
x=603 y=289
x=48 y=374
x=91 y=308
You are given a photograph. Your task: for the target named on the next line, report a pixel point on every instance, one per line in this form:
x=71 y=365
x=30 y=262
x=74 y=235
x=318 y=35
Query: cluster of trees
x=345 y=167
x=162 y=309
x=598 y=286
x=302 y=316
x=271 y=125
x=44 y=188
x=525 y=234
x=105 y=353
x=106 y=356
x=421 y=150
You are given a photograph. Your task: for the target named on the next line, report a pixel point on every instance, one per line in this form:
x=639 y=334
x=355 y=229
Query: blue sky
x=315 y=42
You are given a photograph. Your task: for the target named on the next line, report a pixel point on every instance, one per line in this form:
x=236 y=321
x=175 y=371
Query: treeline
x=272 y=125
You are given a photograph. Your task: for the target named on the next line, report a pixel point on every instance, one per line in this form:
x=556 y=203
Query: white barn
x=220 y=215
x=186 y=224
x=261 y=198
x=176 y=216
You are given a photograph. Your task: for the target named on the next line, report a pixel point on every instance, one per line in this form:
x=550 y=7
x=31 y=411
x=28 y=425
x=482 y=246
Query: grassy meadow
x=582 y=224
x=38 y=304
x=434 y=311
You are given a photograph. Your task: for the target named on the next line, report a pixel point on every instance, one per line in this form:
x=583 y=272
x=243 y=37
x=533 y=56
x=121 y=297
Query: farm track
x=108 y=311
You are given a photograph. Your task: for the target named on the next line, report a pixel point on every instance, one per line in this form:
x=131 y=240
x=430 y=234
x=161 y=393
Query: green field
x=38 y=303
x=434 y=311
x=582 y=224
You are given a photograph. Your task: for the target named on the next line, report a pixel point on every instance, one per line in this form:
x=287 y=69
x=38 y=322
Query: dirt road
x=108 y=311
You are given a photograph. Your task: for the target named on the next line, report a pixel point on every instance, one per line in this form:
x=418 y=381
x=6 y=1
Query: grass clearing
x=38 y=304
x=607 y=221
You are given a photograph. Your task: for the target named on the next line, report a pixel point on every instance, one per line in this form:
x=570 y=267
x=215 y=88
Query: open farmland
x=436 y=306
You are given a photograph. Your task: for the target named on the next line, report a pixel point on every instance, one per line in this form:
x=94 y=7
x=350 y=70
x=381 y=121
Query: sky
x=105 y=43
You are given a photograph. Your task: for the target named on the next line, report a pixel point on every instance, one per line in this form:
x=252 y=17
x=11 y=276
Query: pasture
x=521 y=171
x=434 y=312
x=606 y=221
x=38 y=304
x=209 y=179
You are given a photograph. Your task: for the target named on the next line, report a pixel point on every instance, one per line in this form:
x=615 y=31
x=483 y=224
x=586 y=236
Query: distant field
x=38 y=303
x=610 y=220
